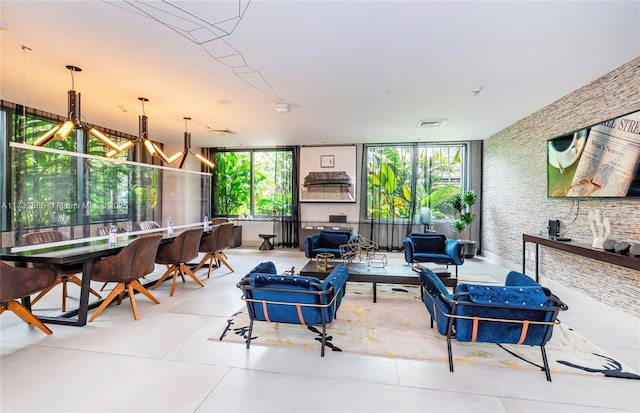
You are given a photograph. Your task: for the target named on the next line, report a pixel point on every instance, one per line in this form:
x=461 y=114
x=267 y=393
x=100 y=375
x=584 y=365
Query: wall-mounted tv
x=600 y=161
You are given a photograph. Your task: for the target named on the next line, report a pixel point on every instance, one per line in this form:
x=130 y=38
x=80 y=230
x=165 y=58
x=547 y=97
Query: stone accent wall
x=515 y=197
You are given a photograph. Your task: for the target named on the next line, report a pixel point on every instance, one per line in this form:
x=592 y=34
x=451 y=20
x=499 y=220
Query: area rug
x=398 y=326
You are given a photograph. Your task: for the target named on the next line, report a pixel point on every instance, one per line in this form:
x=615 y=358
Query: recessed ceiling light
x=476 y=90
x=431 y=123
x=396 y=91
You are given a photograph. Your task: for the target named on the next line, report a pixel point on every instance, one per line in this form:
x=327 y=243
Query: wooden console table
x=584 y=250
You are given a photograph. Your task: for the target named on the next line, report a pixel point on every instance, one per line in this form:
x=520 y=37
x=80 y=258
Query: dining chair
x=145 y=225
x=176 y=254
x=213 y=245
x=103 y=231
x=66 y=273
x=18 y=282
x=134 y=261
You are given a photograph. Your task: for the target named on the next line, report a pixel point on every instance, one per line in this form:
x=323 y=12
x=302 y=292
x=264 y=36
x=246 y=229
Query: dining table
x=84 y=252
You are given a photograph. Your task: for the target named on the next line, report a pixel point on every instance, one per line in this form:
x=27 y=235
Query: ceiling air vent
x=222 y=131
x=431 y=123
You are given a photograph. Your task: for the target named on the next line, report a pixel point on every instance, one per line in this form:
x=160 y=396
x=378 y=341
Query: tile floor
x=165 y=363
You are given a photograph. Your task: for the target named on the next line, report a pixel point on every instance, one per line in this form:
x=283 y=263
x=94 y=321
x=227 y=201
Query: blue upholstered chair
x=292 y=299
x=327 y=241
x=431 y=247
x=520 y=312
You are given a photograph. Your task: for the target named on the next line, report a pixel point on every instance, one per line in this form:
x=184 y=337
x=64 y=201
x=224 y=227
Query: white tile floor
x=165 y=363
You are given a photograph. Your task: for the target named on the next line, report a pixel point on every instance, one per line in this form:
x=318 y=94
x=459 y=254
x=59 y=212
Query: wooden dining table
x=85 y=253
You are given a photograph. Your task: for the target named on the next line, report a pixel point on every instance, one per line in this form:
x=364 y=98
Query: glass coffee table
x=403 y=274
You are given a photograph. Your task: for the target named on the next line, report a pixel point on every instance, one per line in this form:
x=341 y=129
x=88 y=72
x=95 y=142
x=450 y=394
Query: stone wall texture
x=515 y=195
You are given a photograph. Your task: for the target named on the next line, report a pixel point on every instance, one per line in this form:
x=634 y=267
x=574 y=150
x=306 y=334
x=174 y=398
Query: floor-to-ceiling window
x=408 y=183
x=257 y=182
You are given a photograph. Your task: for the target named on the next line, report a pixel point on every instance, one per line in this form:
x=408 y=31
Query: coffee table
x=389 y=274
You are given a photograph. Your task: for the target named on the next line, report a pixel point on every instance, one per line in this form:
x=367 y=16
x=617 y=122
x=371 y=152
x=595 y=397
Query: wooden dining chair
x=66 y=273
x=176 y=254
x=16 y=282
x=134 y=261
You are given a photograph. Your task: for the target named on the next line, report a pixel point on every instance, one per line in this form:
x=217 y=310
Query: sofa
x=327 y=241
x=293 y=299
x=520 y=312
x=432 y=247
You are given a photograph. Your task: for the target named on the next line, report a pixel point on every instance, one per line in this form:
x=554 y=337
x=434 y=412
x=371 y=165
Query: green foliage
x=270 y=181
x=461 y=203
x=391 y=178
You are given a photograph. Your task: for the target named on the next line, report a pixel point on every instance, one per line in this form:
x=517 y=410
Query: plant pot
x=469 y=248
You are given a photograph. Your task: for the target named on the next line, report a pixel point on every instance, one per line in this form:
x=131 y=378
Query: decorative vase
x=600 y=228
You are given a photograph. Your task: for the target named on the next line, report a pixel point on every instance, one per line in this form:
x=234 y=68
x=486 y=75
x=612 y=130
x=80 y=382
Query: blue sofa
x=292 y=299
x=520 y=312
x=327 y=241
x=432 y=247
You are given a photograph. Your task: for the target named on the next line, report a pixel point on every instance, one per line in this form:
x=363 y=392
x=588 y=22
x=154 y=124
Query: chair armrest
x=453 y=248
x=310 y=244
x=409 y=249
x=266 y=267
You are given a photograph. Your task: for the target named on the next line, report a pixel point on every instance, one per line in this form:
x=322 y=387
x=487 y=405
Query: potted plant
x=462 y=203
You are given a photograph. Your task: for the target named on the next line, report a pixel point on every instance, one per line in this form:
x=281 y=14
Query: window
x=107 y=196
x=254 y=182
x=403 y=178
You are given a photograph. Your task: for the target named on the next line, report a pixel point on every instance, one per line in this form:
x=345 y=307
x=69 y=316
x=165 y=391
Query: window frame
x=410 y=185
x=252 y=202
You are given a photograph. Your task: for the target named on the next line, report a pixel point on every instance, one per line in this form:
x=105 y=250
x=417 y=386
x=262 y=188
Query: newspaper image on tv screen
x=600 y=161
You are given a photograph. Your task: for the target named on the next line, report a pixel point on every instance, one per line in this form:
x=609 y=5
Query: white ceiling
x=351 y=71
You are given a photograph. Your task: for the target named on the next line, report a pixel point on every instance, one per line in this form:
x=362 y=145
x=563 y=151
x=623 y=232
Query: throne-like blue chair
x=520 y=312
x=292 y=299
x=431 y=247
x=327 y=241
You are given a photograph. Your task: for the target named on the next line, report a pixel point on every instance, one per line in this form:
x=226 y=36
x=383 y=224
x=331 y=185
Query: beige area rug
x=398 y=326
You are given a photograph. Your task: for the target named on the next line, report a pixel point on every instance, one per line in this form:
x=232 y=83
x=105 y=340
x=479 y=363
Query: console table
x=584 y=250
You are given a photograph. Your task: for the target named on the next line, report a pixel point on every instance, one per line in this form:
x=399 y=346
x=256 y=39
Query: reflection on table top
x=80 y=250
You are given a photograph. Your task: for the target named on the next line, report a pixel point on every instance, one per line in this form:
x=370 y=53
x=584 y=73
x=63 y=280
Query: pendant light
x=187 y=148
x=62 y=131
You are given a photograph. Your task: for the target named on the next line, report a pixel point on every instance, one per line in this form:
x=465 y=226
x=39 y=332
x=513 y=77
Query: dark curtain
x=384 y=227
x=286 y=226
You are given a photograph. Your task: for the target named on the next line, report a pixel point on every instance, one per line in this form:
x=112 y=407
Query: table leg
x=84 y=292
x=375 y=292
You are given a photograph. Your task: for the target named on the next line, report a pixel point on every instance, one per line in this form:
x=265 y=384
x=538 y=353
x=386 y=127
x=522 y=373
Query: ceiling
x=350 y=71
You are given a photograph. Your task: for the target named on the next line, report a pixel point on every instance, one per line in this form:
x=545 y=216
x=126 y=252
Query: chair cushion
x=285 y=281
x=432 y=245
x=523 y=296
x=332 y=240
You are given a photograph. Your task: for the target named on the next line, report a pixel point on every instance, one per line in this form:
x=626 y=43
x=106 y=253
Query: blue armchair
x=327 y=241
x=520 y=312
x=432 y=247
x=292 y=299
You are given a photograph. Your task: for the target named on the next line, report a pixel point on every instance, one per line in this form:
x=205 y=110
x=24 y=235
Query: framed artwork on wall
x=328 y=174
x=327 y=161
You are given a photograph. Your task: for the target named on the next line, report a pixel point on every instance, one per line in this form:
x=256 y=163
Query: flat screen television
x=600 y=161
